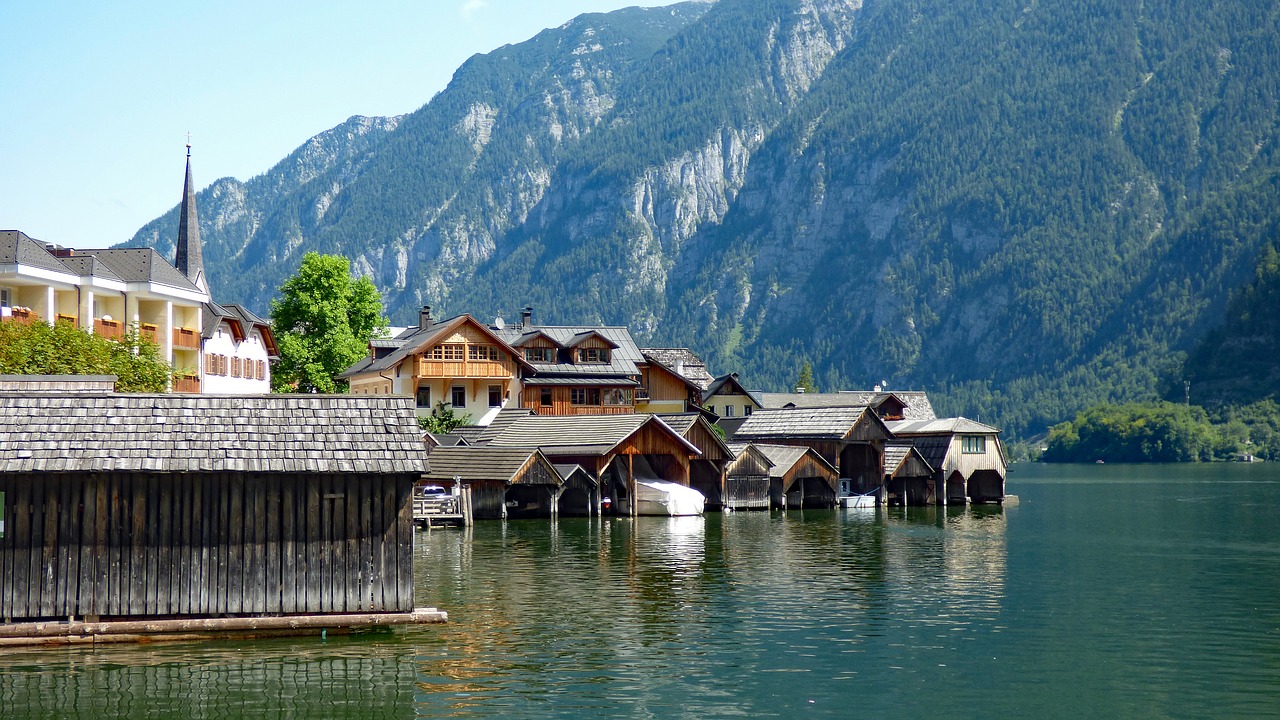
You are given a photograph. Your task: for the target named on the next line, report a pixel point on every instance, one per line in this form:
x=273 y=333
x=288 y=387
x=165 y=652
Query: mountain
x=1025 y=207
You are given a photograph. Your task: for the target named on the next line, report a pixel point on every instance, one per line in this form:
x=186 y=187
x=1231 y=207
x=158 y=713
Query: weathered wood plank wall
x=137 y=544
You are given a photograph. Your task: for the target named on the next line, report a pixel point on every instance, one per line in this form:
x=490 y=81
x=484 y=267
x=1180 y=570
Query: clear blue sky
x=98 y=97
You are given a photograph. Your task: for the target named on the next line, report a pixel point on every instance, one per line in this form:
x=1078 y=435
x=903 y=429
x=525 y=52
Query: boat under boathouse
x=203 y=516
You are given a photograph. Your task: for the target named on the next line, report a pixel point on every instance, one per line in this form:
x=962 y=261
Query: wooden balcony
x=642 y=393
x=110 y=329
x=456 y=369
x=150 y=331
x=66 y=318
x=187 y=384
x=186 y=339
x=22 y=315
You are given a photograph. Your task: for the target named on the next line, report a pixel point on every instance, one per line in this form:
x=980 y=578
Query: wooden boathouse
x=204 y=516
x=908 y=477
x=616 y=450
x=747 y=484
x=850 y=439
x=504 y=482
x=799 y=477
x=967 y=457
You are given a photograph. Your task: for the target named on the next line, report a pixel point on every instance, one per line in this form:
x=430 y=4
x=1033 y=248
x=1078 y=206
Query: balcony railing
x=642 y=393
x=110 y=329
x=150 y=332
x=187 y=384
x=63 y=317
x=20 y=314
x=186 y=338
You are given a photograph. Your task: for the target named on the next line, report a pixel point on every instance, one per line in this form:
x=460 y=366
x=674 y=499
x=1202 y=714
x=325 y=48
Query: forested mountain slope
x=1025 y=207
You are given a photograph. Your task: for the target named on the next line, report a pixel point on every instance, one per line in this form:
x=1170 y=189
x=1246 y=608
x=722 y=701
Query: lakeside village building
x=565 y=391
x=217 y=349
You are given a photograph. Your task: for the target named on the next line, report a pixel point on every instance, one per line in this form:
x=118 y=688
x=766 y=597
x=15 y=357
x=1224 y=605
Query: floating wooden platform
x=190 y=629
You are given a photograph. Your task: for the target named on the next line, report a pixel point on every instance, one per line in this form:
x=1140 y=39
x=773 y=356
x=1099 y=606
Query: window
x=543 y=355
x=711 y=409
x=728 y=411
x=973 y=444
x=6 y=297
x=459 y=396
x=593 y=355
x=746 y=409
x=449 y=351
x=424 y=397
x=584 y=396
x=546 y=397
x=495 y=396
x=617 y=396
x=482 y=352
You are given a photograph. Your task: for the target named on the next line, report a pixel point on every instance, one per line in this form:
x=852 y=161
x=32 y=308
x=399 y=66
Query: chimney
x=680 y=366
x=424 y=318
x=526 y=319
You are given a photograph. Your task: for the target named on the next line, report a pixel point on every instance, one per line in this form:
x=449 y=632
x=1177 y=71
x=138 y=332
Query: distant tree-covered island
x=1166 y=432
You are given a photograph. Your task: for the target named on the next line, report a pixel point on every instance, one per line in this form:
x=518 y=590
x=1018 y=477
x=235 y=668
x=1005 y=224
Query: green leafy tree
x=443 y=419
x=804 y=381
x=64 y=349
x=322 y=320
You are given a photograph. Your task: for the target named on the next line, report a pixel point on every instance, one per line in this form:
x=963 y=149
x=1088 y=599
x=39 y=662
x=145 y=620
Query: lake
x=1108 y=591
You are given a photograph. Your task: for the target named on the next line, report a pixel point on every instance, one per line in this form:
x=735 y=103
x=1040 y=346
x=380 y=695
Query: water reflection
x=742 y=615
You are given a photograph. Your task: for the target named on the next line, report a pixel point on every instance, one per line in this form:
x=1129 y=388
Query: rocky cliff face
x=1005 y=203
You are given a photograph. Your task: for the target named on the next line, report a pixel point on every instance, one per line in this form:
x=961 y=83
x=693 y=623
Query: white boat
x=858 y=501
x=659 y=497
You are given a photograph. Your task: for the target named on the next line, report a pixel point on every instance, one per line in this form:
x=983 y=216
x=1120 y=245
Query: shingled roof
x=917 y=405
x=812 y=423
x=17 y=248
x=485 y=463
x=785 y=457
x=201 y=433
x=588 y=434
x=896 y=452
x=682 y=362
x=143 y=265
x=940 y=426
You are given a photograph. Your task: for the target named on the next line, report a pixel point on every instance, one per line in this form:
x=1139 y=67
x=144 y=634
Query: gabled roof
x=785 y=457
x=580 y=434
x=683 y=423
x=740 y=449
x=16 y=247
x=89 y=266
x=500 y=422
x=730 y=385
x=214 y=314
x=622 y=360
x=586 y=335
x=447 y=440
x=948 y=426
x=802 y=423
x=468 y=434
x=896 y=453
x=917 y=406
x=505 y=465
x=683 y=362
x=419 y=340
x=689 y=382
x=143 y=265
x=532 y=335
x=178 y=433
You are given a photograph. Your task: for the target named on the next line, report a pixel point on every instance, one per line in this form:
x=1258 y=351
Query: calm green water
x=1135 y=592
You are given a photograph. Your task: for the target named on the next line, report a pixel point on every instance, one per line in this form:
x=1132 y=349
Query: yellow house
x=727 y=398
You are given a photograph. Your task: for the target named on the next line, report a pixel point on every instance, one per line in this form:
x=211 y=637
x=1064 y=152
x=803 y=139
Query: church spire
x=190 y=258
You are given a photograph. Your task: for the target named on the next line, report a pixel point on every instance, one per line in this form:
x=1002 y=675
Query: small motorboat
x=659 y=497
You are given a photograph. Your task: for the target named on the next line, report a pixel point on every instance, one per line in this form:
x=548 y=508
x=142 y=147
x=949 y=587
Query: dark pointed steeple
x=190 y=258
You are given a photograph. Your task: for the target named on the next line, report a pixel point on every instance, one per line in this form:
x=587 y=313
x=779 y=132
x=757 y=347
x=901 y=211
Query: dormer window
x=539 y=354
x=593 y=355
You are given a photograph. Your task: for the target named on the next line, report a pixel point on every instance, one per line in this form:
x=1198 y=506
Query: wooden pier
x=443 y=510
